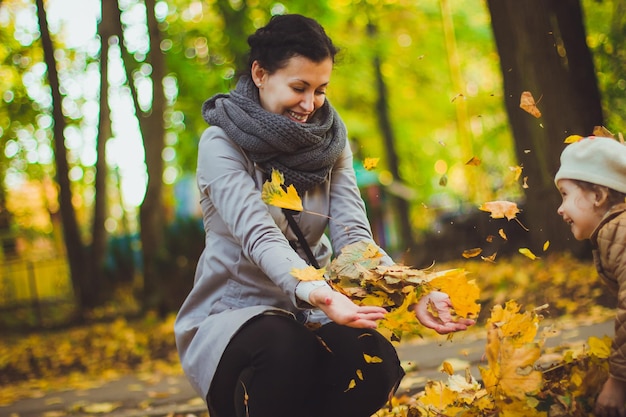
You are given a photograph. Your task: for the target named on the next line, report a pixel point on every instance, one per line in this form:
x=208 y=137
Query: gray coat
x=245 y=268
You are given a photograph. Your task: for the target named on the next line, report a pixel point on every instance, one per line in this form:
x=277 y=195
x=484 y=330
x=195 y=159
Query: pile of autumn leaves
x=515 y=382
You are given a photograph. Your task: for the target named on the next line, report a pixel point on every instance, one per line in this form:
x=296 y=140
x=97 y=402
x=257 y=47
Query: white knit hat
x=597 y=160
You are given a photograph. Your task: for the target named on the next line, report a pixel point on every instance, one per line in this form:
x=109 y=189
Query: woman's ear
x=258 y=74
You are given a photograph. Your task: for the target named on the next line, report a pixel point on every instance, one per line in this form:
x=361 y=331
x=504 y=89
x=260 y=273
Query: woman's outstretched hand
x=441 y=320
x=342 y=310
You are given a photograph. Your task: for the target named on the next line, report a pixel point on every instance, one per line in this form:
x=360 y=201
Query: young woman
x=253 y=340
x=592 y=183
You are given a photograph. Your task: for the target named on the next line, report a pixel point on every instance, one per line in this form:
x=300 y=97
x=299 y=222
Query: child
x=592 y=183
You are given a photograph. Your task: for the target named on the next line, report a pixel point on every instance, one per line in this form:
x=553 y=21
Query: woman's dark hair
x=286 y=36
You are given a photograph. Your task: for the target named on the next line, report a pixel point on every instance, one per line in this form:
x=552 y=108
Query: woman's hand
x=441 y=321
x=342 y=310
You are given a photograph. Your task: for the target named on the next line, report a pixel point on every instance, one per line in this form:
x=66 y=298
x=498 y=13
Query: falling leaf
x=525 y=183
x=351 y=385
x=489 y=238
x=371 y=359
x=517 y=170
x=443 y=181
x=447 y=368
x=602 y=131
x=474 y=161
x=359 y=374
x=528 y=253
x=572 y=138
x=370 y=163
x=546 y=245
x=527 y=102
x=470 y=253
x=500 y=209
x=457 y=96
x=310 y=273
x=274 y=194
x=491 y=258
x=502 y=234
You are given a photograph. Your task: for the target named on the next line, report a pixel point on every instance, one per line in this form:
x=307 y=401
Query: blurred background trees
x=100 y=119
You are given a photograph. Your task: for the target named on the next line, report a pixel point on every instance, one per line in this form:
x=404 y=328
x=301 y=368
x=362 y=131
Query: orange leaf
x=602 y=131
x=447 y=368
x=500 y=209
x=474 y=161
x=527 y=102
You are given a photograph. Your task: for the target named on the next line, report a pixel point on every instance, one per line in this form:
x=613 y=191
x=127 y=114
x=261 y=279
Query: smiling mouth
x=298 y=117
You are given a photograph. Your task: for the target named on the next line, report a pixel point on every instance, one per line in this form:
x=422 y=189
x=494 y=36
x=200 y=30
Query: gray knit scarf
x=303 y=152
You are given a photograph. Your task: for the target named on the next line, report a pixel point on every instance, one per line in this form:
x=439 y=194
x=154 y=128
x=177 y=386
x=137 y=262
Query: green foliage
x=606 y=29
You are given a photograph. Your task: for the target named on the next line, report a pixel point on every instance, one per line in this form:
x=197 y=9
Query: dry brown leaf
x=527 y=102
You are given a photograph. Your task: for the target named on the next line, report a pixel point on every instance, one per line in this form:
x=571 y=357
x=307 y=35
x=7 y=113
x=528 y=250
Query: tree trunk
x=543 y=50
x=106 y=30
x=71 y=233
x=382 y=112
x=152 y=211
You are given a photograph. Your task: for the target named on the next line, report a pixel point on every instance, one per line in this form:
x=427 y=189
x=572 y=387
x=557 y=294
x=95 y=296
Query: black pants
x=276 y=367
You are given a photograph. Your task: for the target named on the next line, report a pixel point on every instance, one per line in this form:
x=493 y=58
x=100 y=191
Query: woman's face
x=581 y=208
x=297 y=90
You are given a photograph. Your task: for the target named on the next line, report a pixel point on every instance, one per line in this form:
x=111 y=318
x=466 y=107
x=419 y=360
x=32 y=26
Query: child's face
x=580 y=209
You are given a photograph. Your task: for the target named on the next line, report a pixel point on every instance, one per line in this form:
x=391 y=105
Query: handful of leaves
x=357 y=272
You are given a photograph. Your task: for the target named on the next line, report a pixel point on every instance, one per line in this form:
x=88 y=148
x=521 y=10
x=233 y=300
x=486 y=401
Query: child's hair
x=613 y=197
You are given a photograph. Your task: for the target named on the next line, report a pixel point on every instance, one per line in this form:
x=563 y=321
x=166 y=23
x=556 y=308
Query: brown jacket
x=609 y=253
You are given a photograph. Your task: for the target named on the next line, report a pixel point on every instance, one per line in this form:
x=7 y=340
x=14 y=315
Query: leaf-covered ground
x=80 y=356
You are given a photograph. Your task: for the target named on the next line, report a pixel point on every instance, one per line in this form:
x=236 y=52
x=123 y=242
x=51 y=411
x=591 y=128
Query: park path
x=163 y=395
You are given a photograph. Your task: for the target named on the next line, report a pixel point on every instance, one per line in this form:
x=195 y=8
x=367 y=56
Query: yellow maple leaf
x=500 y=209
x=600 y=347
x=310 y=273
x=510 y=370
x=438 y=395
x=370 y=163
x=274 y=193
x=463 y=293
